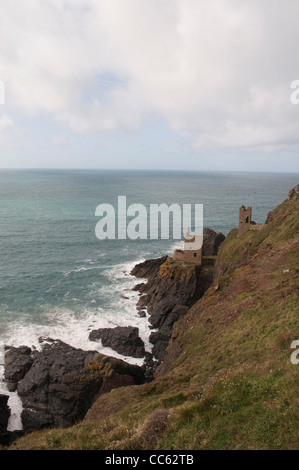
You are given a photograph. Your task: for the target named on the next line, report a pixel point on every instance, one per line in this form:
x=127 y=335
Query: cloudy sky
x=166 y=84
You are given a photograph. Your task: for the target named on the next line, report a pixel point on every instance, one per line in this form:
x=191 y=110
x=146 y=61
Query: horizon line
x=146 y=170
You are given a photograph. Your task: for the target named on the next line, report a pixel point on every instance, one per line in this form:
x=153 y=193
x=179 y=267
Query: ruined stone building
x=192 y=252
x=245 y=221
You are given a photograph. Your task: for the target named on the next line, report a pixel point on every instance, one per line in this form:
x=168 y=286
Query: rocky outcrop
x=171 y=288
x=124 y=340
x=6 y=437
x=18 y=361
x=169 y=283
x=147 y=268
x=149 y=366
x=160 y=338
x=211 y=242
x=4 y=413
x=63 y=382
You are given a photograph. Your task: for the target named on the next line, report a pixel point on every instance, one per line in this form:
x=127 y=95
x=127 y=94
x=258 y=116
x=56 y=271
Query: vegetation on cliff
x=227 y=381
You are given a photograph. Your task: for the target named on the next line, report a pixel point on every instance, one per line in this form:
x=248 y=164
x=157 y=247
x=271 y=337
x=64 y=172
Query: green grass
x=242 y=411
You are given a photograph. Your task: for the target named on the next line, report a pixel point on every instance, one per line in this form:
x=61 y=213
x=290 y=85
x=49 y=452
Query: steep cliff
x=171 y=288
x=227 y=380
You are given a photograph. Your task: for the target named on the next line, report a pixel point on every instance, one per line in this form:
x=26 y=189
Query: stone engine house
x=192 y=252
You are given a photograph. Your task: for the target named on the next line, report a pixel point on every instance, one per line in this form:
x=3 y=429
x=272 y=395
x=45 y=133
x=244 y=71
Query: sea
x=59 y=280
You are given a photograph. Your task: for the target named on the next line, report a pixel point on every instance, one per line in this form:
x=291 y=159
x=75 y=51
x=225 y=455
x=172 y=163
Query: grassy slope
x=227 y=381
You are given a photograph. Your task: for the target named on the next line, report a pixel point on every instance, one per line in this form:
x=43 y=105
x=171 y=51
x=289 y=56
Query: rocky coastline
x=58 y=383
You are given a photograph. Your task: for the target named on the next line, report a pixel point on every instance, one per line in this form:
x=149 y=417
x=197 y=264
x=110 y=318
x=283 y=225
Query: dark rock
x=160 y=338
x=142 y=314
x=124 y=340
x=7 y=438
x=162 y=335
x=139 y=287
x=37 y=420
x=146 y=269
x=159 y=349
x=17 y=363
x=211 y=242
x=171 y=289
x=178 y=312
x=160 y=314
x=143 y=301
x=4 y=413
x=150 y=365
x=63 y=382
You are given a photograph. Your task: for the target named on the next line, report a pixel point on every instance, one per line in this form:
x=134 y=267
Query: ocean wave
x=178 y=245
x=14 y=403
x=80 y=269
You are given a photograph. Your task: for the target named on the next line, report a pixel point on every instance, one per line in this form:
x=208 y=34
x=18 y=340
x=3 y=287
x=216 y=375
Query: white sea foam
x=178 y=245
x=74 y=328
x=14 y=403
x=80 y=269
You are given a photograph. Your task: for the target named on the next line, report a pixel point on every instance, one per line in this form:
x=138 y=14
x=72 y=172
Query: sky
x=159 y=84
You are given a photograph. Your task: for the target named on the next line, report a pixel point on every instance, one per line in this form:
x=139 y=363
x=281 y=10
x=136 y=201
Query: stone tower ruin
x=245 y=221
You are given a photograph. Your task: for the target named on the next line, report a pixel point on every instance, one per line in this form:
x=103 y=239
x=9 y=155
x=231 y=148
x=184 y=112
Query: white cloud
x=216 y=70
x=7 y=127
x=59 y=140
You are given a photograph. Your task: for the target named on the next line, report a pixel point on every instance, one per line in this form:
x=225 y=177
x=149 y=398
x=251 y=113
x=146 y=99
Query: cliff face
x=171 y=288
x=227 y=381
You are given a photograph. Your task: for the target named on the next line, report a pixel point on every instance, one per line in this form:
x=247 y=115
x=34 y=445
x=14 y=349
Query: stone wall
x=188 y=256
